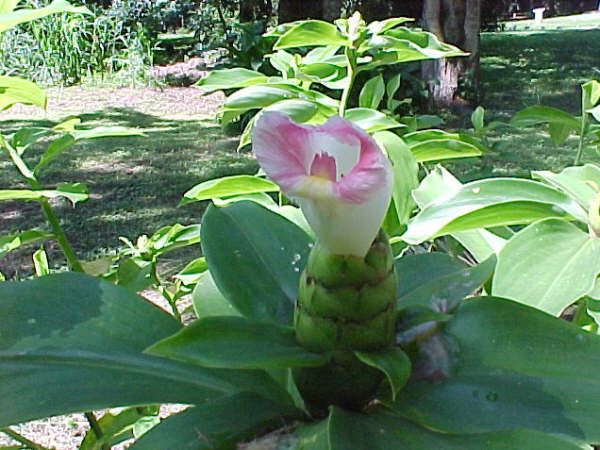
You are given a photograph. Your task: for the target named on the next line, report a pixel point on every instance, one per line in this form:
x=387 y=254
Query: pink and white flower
x=336 y=173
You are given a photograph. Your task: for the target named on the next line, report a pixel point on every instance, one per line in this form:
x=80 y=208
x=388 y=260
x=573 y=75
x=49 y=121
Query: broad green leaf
x=595 y=112
x=297 y=110
x=67 y=140
x=439 y=184
x=311 y=33
x=477 y=118
x=267 y=251
x=192 y=272
x=232 y=342
x=489 y=203
x=372 y=93
x=320 y=54
x=590 y=94
x=547 y=265
x=314 y=436
x=438 y=281
x=371 y=120
x=377 y=27
x=40 y=263
x=219 y=423
x=228 y=186
x=136 y=274
x=435 y=145
x=69 y=326
x=208 y=300
x=383 y=430
x=75 y=192
x=14 y=241
x=406 y=172
x=393 y=362
x=517 y=368
x=10 y=19
x=582 y=183
x=115 y=427
x=24 y=137
x=172 y=237
x=18 y=90
x=559 y=132
x=263 y=95
x=7 y=6
x=229 y=79
x=391 y=88
x=534 y=115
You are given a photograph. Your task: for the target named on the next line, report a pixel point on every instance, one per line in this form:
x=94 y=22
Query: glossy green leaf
x=320 y=54
x=74 y=192
x=10 y=19
x=314 y=436
x=383 y=430
x=74 y=343
x=208 y=300
x=372 y=93
x=24 y=137
x=297 y=110
x=391 y=88
x=559 y=132
x=228 y=186
x=438 y=281
x=439 y=184
x=548 y=265
x=477 y=118
x=7 y=6
x=435 y=145
x=40 y=263
x=517 y=368
x=192 y=272
x=18 y=90
x=406 y=171
x=65 y=141
x=172 y=237
x=590 y=94
x=595 y=112
x=581 y=183
x=393 y=362
x=217 y=424
x=14 y=241
x=371 y=120
x=267 y=251
x=534 y=115
x=310 y=33
x=136 y=274
x=382 y=26
x=230 y=78
x=232 y=342
x=115 y=427
x=489 y=203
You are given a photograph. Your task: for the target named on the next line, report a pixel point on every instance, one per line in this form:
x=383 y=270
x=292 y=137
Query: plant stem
x=23 y=440
x=351 y=58
x=579 y=155
x=95 y=428
x=59 y=234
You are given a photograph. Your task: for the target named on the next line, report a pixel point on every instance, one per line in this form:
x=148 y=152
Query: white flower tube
x=336 y=172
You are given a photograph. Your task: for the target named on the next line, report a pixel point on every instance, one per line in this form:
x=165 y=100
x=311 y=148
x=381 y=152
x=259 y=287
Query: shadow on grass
x=135 y=183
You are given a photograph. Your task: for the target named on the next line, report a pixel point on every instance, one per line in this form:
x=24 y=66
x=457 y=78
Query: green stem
x=59 y=234
x=584 y=117
x=23 y=440
x=95 y=428
x=351 y=58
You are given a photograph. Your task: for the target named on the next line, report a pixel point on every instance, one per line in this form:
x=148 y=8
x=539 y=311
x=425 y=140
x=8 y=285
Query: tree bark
x=456 y=22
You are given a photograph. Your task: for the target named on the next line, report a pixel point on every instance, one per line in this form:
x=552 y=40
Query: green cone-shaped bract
x=345 y=304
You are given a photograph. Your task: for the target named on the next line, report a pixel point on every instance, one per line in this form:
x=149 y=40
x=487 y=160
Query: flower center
x=323 y=166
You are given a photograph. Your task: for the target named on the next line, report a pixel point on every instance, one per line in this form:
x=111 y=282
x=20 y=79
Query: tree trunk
x=290 y=10
x=456 y=22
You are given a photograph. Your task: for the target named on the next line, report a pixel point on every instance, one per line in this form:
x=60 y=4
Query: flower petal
x=282 y=149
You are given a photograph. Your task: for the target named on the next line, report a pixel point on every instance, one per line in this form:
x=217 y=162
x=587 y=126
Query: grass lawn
x=136 y=182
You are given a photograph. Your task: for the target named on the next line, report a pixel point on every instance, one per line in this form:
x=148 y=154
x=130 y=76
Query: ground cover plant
x=276 y=339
